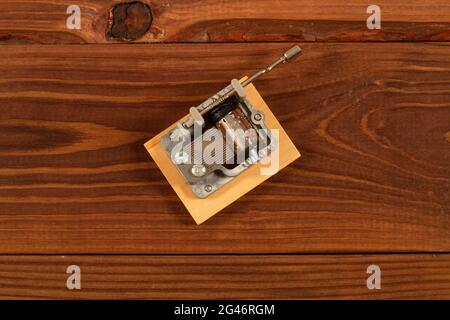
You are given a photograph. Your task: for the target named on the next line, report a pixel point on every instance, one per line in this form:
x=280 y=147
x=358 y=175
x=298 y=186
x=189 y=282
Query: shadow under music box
x=224 y=147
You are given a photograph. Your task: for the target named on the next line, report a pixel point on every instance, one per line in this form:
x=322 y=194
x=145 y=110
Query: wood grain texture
x=372 y=121
x=44 y=21
x=409 y=276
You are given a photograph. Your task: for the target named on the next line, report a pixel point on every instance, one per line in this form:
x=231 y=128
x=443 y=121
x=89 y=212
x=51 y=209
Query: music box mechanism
x=220 y=140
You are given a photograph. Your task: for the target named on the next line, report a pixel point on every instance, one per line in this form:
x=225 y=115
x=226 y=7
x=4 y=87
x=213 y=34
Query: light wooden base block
x=203 y=209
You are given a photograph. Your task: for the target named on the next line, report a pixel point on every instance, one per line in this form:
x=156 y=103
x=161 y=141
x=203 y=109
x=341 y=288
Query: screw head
x=208 y=188
x=198 y=170
x=257 y=117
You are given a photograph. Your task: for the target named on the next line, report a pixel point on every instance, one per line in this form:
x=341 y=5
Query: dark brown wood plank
x=371 y=121
x=44 y=21
x=407 y=276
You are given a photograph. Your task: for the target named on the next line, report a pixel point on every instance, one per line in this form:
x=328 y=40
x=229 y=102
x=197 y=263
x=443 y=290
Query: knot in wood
x=129 y=21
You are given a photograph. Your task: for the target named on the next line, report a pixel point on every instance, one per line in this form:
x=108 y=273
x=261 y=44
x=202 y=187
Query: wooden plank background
x=44 y=21
x=371 y=120
x=405 y=276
